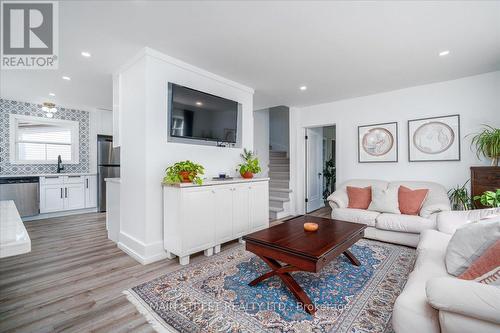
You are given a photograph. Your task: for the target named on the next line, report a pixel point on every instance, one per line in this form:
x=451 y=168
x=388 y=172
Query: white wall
x=261 y=139
x=279 y=136
x=476 y=99
x=145 y=152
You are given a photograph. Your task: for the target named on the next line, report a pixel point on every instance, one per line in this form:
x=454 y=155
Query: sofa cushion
x=410 y=201
x=384 y=200
x=404 y=223
x=486 y=269
x=359 y=197
x=469 y=242
x=355 y=215
x=436 y=200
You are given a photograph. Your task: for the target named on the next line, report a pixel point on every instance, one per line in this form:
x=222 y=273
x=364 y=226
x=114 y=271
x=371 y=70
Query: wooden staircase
x=279 y=185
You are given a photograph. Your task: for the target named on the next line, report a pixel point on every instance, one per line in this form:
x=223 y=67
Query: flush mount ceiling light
x=49 y=109
x=303 y=88
x=444 y=53
x=52 y=94
x=67 y=78
x=86 y=54
x=199 y=103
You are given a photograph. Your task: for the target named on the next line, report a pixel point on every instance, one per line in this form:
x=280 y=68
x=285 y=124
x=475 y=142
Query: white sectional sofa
x=393 y=228
x=434 y=301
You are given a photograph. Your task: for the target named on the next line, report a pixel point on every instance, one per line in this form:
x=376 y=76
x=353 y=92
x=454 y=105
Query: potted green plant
x=250 y=166
x=460 y=198
x=329 y=175
x=487 y=143
x=489 y=198
x=184 y=172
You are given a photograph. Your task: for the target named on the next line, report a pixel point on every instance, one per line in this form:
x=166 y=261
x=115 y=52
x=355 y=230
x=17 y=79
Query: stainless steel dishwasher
x=25 y=193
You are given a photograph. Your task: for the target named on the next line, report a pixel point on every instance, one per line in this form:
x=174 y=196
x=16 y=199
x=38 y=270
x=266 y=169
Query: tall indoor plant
x=184 y=172
x=329 y=175
x=487 y=144
x=250 y=166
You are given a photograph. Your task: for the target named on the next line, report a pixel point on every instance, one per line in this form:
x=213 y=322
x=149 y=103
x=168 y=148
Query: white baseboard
x=143 y=253
x=59 y=214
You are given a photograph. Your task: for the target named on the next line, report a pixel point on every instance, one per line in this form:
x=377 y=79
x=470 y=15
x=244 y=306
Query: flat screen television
x=200 y=116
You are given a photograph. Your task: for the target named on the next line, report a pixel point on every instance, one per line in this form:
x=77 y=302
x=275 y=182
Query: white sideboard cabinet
x=202 y=217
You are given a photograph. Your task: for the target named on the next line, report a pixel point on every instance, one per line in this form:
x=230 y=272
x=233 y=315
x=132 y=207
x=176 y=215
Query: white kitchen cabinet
x=199 y=218
x=51 y=198
x=90 y=183
x=61 y=193
x=74 y=196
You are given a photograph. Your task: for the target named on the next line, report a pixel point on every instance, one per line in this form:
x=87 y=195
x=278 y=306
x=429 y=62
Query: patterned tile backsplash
x=28 y=109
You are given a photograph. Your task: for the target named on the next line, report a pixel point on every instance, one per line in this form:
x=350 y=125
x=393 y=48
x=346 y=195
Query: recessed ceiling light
x=86 y=54
x=444 y=53
x=52 y=94
x=67 y=78
x=199 y=103
x=303 y=88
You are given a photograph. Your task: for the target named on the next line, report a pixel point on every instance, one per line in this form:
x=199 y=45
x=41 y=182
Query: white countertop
x=210 y=182
x=51 y=174
x=112 y=180
x=14 y=238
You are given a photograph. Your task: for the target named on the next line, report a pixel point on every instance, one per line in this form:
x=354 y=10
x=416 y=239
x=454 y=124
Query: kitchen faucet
x=60 y=165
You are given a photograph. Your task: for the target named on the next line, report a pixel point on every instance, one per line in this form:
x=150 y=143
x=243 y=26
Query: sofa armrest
x=338 y=199
x=434 y=208
x=448 y=222
x=468 y=298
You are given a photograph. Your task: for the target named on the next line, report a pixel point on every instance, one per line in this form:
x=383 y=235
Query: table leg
x=283 y=272
x=352 y=258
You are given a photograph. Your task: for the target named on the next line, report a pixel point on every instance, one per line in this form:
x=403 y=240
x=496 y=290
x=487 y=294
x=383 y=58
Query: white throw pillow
x=385 y=200
x=469 y=242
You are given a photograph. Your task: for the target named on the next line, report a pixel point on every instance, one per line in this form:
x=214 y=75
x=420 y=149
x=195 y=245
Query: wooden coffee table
x=288 y=248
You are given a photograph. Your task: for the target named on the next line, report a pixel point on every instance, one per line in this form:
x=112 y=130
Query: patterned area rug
x=214 y=296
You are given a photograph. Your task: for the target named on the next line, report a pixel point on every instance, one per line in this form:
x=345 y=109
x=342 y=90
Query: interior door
x=314 y=168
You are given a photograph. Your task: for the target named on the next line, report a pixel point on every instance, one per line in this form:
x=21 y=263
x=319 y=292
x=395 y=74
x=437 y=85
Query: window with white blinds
x=43 y=140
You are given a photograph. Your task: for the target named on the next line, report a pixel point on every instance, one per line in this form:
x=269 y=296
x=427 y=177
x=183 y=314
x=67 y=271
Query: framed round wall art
x=378 y=143
x=434 y=139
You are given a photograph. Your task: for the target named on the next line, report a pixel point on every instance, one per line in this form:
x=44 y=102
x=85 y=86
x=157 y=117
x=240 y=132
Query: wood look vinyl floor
x=73 y=278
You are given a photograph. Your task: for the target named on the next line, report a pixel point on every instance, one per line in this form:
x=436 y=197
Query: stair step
x=280 y=189
x=275 y=209
x=277 y=153
x=279 y=183
x=279 y=168
x=280 y=175
x=280 y=160
x=279 y=199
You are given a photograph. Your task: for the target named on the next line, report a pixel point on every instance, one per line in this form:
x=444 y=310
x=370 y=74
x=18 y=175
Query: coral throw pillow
x=410 y=201
x=486 y=268
x=359 y=197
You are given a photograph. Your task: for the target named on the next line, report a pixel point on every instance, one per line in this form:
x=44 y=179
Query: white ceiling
x=337 y=49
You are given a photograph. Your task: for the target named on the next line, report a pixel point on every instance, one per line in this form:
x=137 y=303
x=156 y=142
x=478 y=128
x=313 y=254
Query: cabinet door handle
x=87 y=182
x=61 y=193
x=51 y=177
x=65 y=192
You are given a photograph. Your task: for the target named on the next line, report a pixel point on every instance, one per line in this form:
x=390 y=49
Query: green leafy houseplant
x=329 y=175
x=487 y=143
x=489 y=198
x=460 y=198
x=184 y=172
x=251 y=165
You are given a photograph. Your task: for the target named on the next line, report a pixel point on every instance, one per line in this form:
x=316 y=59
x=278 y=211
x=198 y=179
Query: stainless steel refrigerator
x=108 y=166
